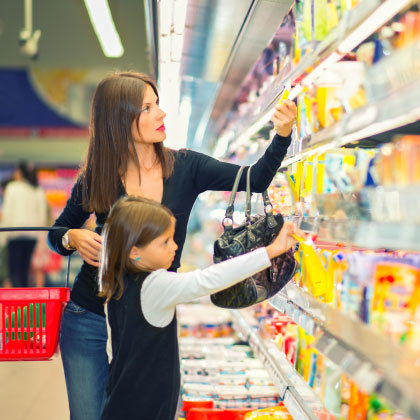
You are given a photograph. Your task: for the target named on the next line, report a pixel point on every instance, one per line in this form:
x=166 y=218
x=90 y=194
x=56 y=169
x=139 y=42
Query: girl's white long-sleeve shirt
x=163 y=290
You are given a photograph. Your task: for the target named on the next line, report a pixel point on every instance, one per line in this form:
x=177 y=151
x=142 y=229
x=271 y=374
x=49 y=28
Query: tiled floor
x=33 y=391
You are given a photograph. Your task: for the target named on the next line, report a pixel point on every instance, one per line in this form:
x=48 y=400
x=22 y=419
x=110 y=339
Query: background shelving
x=297 y=396
x=372 y=360
x=373 y=216
x=356 y=26
x=363 y=233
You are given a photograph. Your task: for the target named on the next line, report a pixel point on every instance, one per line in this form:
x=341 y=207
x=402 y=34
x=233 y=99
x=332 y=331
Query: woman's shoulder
x=188 y=155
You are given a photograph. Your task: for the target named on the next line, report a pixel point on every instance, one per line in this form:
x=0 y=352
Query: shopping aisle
x=33 y=390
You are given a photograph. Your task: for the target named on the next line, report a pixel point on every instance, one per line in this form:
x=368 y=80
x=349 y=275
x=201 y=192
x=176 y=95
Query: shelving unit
x=372 y=360
x=363 y=233
x=359 y=24
x=297 y=396
x=396 y=110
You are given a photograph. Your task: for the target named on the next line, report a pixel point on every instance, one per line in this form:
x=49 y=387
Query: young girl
x=141 y=297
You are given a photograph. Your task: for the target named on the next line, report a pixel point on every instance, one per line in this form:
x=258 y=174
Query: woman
x=126 y=156
x=24 y=204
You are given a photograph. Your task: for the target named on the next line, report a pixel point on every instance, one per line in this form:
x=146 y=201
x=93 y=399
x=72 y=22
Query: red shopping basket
x=30 y=318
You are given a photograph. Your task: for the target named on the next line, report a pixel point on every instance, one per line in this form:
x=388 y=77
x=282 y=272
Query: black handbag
x=256 y=232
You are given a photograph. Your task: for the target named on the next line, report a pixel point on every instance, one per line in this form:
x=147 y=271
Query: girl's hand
x=284 y=117
x=284 y=240
x=87 y=243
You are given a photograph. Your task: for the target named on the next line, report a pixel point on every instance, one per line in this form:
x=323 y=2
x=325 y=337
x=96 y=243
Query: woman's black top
x=193 y=174
x=144 y=374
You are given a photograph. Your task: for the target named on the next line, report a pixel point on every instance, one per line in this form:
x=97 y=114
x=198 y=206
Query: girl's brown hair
x=117 y=102
x=132 y=221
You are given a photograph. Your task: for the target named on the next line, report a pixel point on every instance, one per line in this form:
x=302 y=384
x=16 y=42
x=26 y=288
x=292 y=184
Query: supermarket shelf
x=363 y=233
x=371 y=359
x=398 y=109
x=298 y=397
x=357 y=25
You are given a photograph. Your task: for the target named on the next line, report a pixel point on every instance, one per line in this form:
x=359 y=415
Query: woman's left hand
x=284 y=117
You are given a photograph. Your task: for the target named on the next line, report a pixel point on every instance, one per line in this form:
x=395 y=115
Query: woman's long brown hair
x=117 y=102
x=132 y=221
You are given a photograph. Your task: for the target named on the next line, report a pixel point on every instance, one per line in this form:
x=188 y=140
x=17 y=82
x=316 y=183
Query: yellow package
x=271 y=413
x=319 y=173
x=320 y=19
x=304 y=354
x=395 y=300
x=358 y=99
x=292 y=187
x=332 y=18
x=308 y=178
x=314 y=272
x=329 y=108
x=285 y=93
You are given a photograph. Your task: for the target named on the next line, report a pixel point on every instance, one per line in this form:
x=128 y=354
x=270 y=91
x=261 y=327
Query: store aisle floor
x=33 y=391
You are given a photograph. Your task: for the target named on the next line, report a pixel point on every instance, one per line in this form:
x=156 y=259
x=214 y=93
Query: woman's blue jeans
x=83 y=351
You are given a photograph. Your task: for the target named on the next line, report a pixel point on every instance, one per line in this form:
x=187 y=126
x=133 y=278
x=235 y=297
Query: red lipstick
x=161 y=128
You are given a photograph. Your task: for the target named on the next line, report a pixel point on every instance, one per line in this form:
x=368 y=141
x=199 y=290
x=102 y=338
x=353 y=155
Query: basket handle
x=39 y=229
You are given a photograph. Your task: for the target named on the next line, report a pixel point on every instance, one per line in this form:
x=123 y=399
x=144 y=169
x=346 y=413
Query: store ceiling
x=67 y=37
x=223 y=39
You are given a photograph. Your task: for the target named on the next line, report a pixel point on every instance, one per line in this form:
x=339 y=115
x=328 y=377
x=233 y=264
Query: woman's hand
x=284 y=240
x=87 y=243
x=284 y=117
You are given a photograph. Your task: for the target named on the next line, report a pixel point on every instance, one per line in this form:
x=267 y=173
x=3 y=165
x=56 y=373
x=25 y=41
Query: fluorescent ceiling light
x=165 y=16
x=174 y=71
x=101 y=19
x=165 y=48
x=177 y=44
x=180 y=15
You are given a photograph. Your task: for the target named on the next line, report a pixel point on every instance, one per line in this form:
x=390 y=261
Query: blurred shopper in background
x=24 y=204
x=4 y=261
x=42 y=256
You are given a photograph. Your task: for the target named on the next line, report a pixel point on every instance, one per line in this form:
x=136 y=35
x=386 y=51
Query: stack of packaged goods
x=356 y=197
x=376 y=286
x=379 y=287
x=341 y=397
x=220 y=377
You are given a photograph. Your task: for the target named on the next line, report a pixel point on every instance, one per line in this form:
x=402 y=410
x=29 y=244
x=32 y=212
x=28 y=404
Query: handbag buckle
x=268 y=209
x=227 y=224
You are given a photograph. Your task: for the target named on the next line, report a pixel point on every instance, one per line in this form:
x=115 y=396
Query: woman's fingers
x=95 y=263
x=288 y=107
x=88 y=244
x=91 y=249
x=284 y=117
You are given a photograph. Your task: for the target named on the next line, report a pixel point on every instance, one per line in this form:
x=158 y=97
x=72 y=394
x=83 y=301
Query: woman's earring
x=137 y=259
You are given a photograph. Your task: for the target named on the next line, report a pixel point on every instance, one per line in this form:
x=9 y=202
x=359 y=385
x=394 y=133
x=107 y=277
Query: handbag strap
x=230 y=207
x=268 y=208
x=248 y=197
